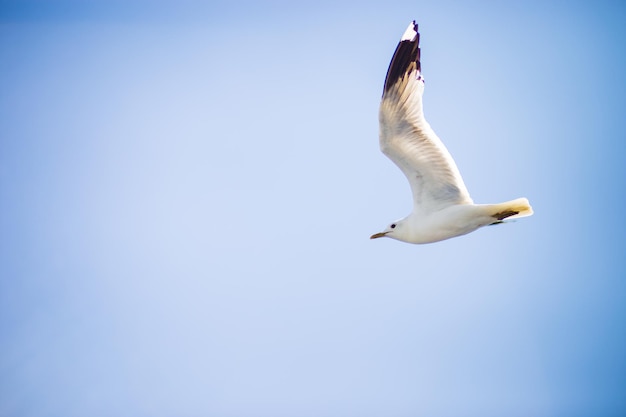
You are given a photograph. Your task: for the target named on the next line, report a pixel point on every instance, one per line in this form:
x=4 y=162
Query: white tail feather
x=514 y=209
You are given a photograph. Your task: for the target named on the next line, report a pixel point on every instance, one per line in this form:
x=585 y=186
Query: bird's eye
x=393 y=226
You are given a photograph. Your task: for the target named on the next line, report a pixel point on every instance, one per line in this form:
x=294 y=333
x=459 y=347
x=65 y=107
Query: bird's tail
x=510 y=210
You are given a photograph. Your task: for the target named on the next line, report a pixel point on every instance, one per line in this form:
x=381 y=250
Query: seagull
x=442 y=206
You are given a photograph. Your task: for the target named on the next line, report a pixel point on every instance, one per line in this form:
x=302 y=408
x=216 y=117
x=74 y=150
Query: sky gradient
x=187 y=190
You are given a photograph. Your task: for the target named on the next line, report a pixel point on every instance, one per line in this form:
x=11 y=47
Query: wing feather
x=407 y=138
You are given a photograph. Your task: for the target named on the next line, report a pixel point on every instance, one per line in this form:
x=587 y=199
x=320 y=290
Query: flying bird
x=442 y=206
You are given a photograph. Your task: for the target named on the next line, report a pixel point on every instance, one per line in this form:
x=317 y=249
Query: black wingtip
x=406 y=57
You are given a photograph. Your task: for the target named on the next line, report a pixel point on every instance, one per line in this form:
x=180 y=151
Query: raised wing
x=407 y=138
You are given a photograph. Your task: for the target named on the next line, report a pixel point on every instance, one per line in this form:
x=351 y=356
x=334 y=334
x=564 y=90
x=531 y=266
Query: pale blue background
x=187 y=190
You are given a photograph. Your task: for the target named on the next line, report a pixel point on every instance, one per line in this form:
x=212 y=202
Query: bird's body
x=442 y=206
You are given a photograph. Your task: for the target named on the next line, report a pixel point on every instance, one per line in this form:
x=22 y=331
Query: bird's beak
x=377 y=235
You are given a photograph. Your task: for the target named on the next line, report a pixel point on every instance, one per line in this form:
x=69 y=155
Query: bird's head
x=396 y=230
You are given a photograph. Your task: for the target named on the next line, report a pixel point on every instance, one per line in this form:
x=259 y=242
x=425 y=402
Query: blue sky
x=187 y=190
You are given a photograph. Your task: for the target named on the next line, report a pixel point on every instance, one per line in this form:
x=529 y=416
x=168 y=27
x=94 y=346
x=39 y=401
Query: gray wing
x=407 y=138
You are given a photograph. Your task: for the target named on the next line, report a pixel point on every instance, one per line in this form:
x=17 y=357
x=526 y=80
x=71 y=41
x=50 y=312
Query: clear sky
x=187 y=190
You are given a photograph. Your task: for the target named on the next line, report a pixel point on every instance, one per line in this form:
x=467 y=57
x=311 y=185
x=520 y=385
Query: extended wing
x=407 y=138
